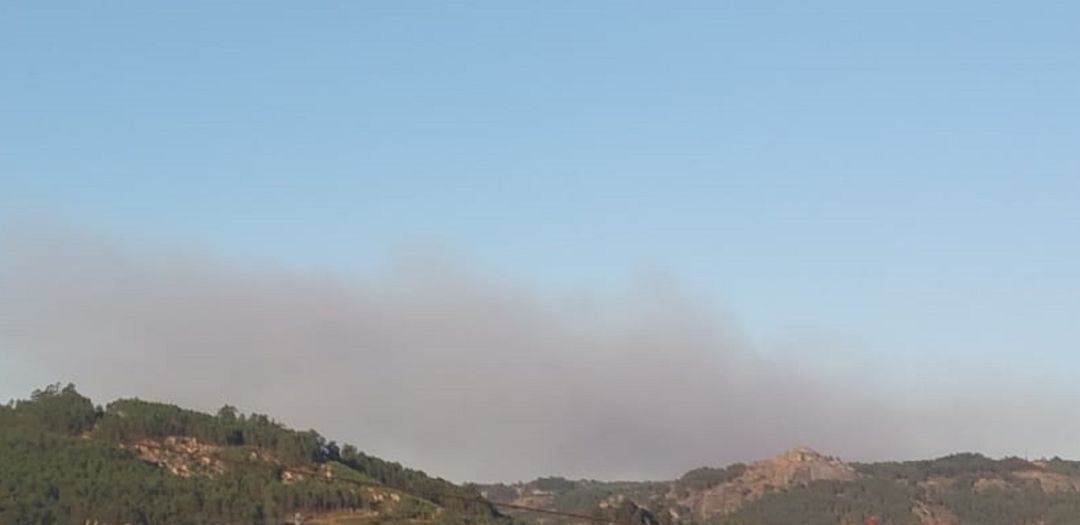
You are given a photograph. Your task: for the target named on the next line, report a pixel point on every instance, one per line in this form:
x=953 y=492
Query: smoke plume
x=427 y=363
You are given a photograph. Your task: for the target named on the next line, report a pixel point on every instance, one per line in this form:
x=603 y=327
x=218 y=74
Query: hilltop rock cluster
x=797 y=466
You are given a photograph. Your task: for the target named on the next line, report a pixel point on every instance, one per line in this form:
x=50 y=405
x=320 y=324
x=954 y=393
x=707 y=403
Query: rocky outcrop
x=181 y=456
x=797 y=466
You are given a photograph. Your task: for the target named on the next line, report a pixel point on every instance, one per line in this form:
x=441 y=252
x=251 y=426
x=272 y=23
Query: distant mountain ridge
x=65 y=460
x=803 y=487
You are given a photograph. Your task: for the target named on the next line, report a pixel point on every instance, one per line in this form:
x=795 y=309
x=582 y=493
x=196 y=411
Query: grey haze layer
x=465 y=376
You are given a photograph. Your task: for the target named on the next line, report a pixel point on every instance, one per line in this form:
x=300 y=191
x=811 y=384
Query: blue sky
x=902 y=179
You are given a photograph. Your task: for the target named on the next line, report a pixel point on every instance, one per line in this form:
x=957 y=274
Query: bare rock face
x=181 y=456
x=797 y=466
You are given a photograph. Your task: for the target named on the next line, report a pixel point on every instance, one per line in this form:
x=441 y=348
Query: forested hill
x=64 y=460
x=803 y=487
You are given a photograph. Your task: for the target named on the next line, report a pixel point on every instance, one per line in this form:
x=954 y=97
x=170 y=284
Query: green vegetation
x=584 y=495
x=556 y=484
x=1020 y=505
x=64 y=461
x=708 y=477
x=1063 y=467
x=831 y=503
x=890 y=491
x=956 y=489
x=966 y=466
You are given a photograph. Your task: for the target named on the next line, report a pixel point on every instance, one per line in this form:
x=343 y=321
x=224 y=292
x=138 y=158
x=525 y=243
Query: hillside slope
x=803 y=487
x=64 y=461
